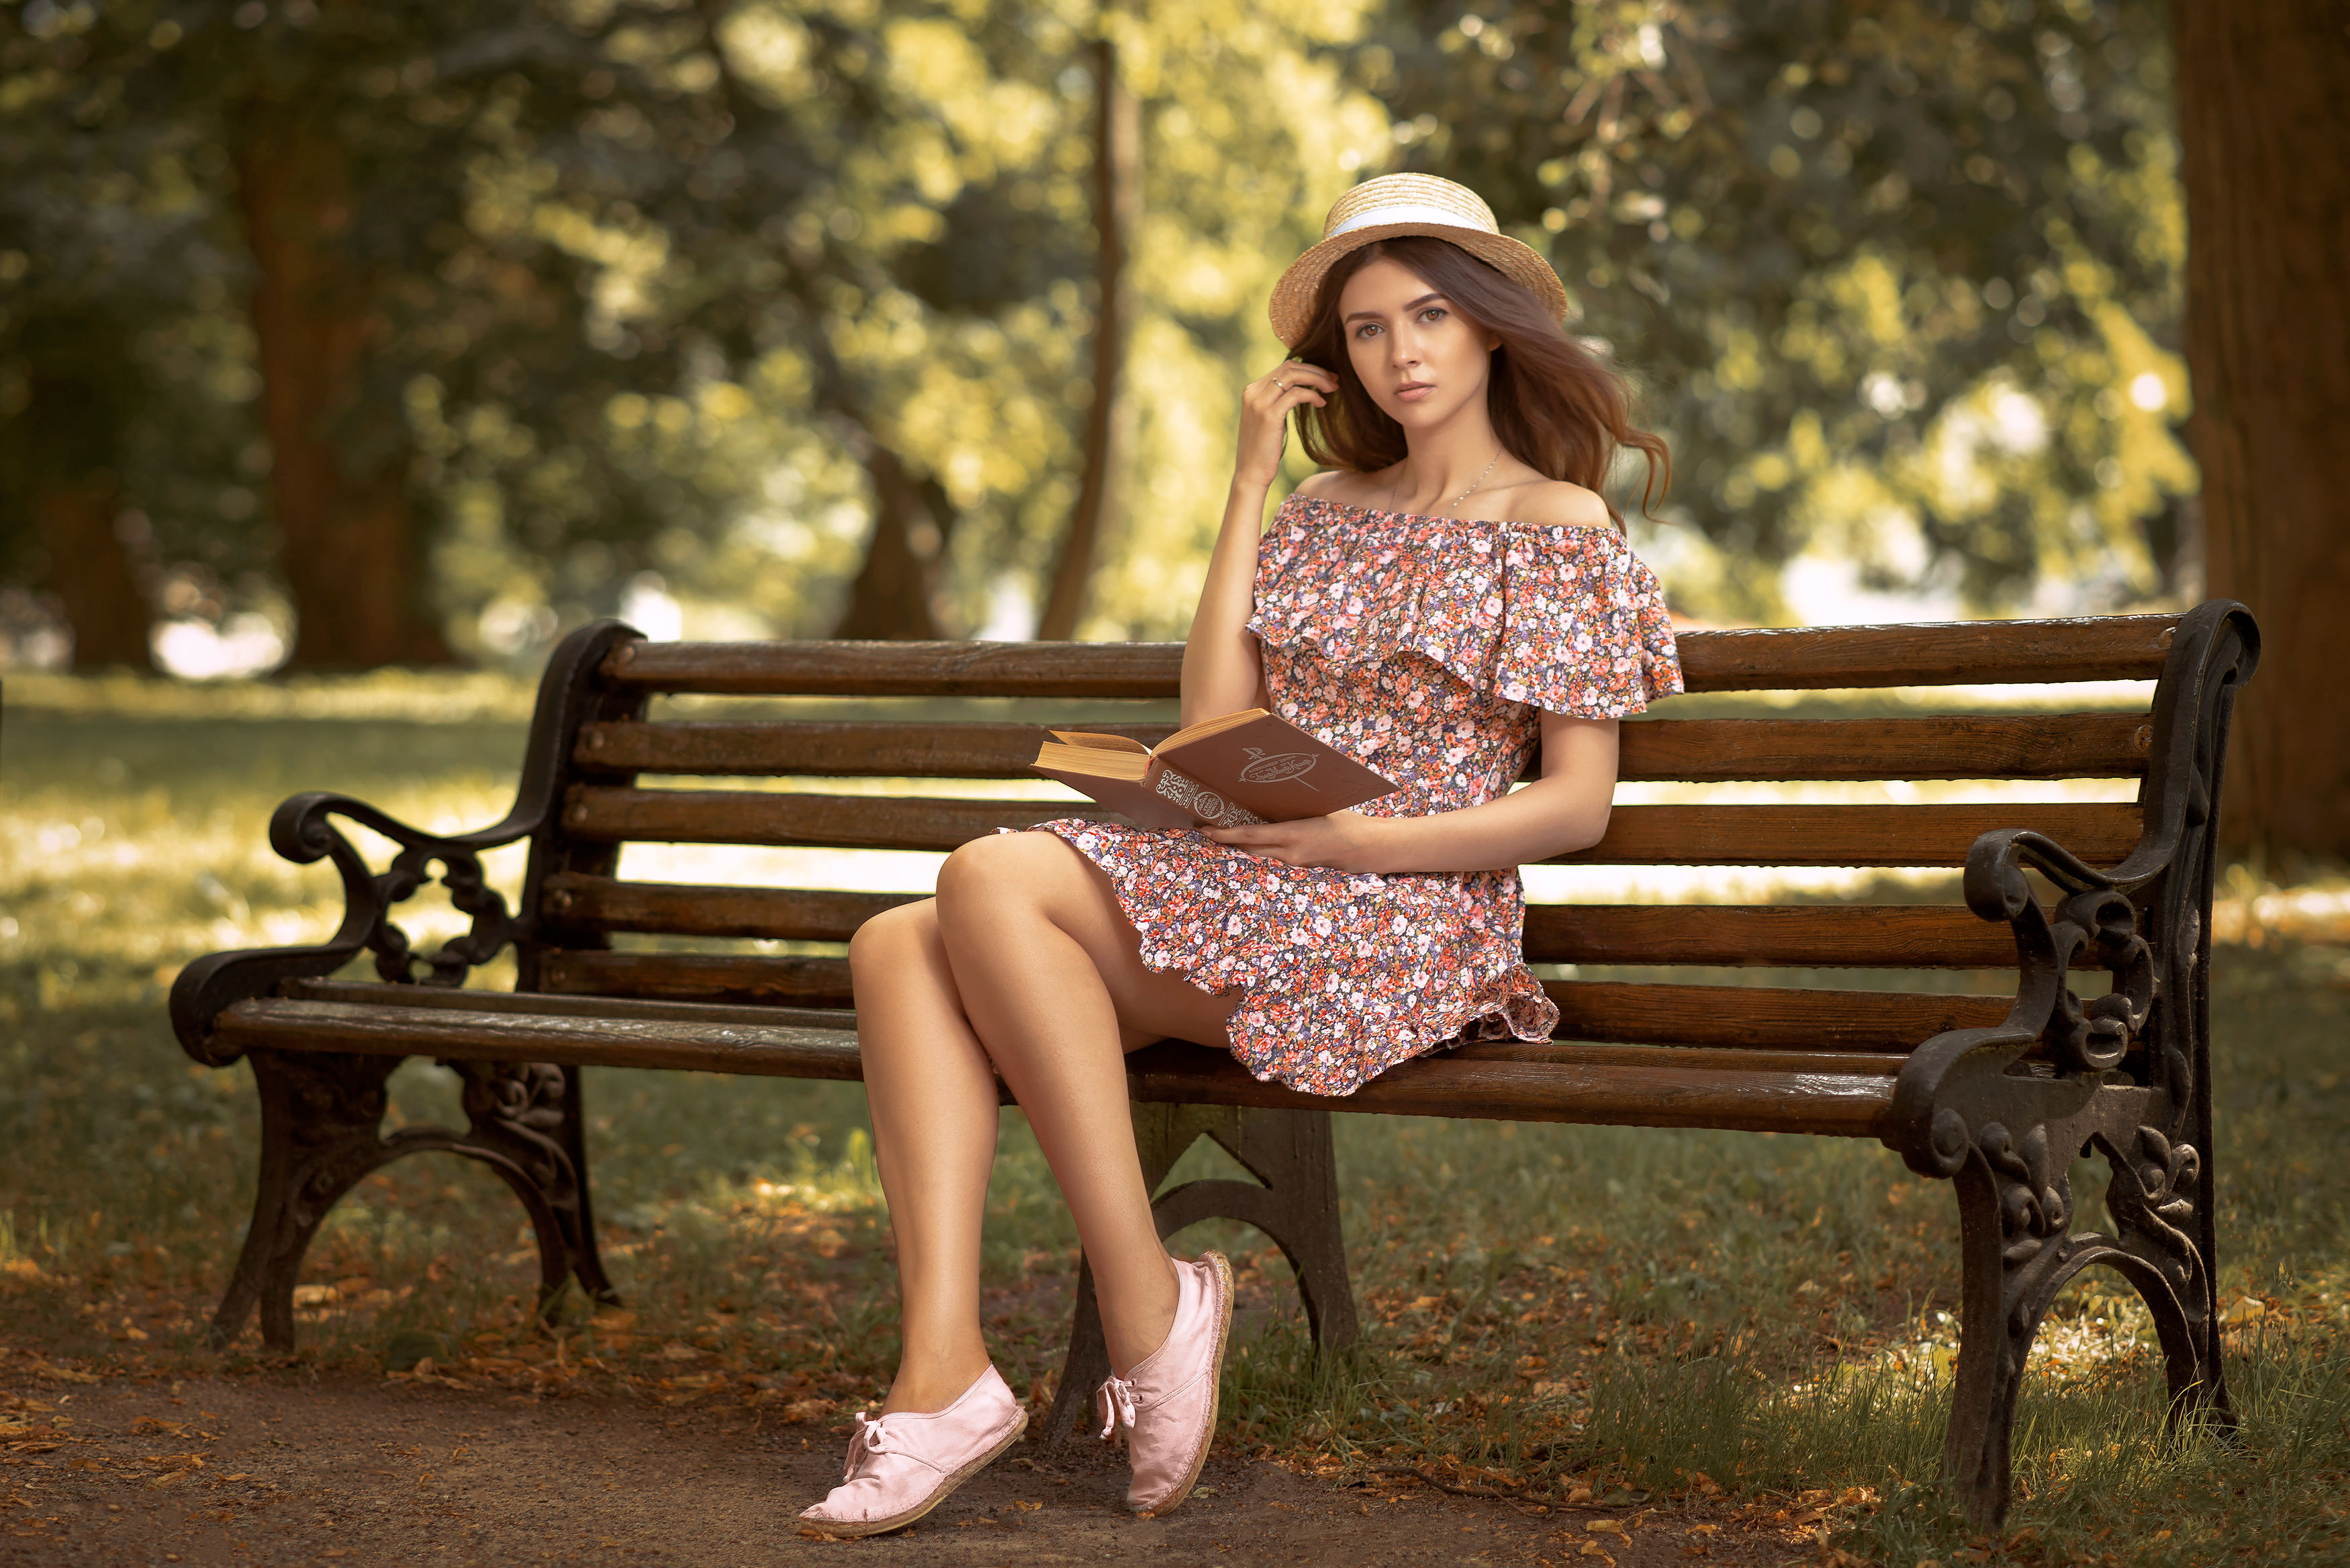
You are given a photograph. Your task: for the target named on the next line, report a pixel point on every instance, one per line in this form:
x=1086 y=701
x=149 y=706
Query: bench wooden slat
x=1842 y=1105
x=1735 y=1017
x=1661 y=1087
x=538 y=1003
x=1765 y=936
x=535 y=1005
x=833 y=820
x=1723 y=1016
x=783 y=978
x=769 y=1049
x=1942 y=746
x=1773 y=936
x=2101 y=832
x=1770 y=936
x=601 y=903
x=1953 y=653
x=839 y=749
x=1956 y=746
x=1139 y=669
x=2108 y=648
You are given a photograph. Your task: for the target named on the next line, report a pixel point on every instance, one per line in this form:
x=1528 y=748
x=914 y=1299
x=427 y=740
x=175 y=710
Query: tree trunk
x=2264 y=114
x=896 y=594
x=351 y=556
x=64 y=454
x=92 y=574
x=1117 y=202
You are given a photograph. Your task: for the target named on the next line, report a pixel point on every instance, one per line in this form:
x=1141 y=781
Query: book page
x=1207 y=727
x=1101 y=762
x=1102 y=743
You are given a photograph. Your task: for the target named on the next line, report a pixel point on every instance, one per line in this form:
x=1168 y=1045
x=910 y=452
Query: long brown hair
x=1555 y=406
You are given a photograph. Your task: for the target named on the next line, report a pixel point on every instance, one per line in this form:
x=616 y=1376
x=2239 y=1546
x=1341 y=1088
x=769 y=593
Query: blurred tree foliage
x=1905 y=276
x=453 y=323
x=727 y=291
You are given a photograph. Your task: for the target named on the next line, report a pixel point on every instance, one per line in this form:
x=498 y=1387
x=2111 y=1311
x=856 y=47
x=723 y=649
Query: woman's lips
x=1412 y=391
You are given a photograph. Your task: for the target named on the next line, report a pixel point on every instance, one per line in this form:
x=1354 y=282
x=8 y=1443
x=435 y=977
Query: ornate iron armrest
x=2165 y=883
x=302 y=831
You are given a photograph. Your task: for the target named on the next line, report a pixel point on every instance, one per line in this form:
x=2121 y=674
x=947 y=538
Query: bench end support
x=321 y=1134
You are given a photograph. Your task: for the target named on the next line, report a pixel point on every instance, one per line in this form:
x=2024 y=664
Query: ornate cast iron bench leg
x=1298 y=1207
x=2015 y=1205
x=2127 y=1074
x=321 y=1121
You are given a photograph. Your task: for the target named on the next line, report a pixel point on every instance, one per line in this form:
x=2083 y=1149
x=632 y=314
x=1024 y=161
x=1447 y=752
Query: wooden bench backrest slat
x=1954 y=746
x=2113 y=648
x=1847 y=835
x=1778 y=936
x=783 y=978
x=1749 y=1017
x=1136 y=670
x=1773 y=936
x=788 y=913
x=1765 y=1017
x=1963 y=653
x=2100 y=831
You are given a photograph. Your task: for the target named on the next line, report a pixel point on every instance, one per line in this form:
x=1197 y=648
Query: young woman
x=1453 y=593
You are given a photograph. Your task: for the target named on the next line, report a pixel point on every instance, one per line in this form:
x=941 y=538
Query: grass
x=1634 y=1315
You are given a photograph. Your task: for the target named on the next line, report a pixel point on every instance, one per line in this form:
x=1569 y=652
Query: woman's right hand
x=1265 y=403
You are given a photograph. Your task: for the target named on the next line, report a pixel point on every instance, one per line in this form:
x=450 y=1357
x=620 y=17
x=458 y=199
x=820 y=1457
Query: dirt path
x=342 y=1473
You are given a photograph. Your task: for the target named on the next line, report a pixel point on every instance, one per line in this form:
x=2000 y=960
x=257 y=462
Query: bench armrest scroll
x=303 y=831
x=2147 y=918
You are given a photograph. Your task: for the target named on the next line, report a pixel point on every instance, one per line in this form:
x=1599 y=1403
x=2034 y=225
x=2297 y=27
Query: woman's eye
x=1433 y=313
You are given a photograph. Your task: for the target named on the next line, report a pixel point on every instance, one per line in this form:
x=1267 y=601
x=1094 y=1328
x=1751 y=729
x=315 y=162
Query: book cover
x=1244 y=767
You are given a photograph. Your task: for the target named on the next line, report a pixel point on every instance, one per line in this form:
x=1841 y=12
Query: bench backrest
x=629 y=772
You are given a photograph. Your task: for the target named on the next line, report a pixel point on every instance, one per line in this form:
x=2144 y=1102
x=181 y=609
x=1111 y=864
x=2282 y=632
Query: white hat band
x=1405 y=214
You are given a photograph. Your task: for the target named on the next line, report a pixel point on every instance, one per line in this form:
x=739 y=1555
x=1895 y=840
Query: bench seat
x=1842 y=1093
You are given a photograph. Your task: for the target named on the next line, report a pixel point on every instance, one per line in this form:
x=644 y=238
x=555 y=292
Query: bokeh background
x=339 y=336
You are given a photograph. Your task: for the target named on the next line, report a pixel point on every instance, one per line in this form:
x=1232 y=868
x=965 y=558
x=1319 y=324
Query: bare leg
x=1052 y=981
x=932 y=1098
x=1061 y=968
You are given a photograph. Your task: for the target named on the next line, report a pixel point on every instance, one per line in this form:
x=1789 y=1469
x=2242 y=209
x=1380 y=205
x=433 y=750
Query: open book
x=1244 y=767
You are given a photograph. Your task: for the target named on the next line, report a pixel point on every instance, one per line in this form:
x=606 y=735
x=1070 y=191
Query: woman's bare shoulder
x=1342 y=486
x=1558 y=504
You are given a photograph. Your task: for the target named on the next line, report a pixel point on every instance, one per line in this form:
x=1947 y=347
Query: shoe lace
x=870 y=1439
x=1116 y=1398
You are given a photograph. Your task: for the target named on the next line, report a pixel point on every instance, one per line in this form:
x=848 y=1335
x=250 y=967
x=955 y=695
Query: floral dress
x=1423 y=646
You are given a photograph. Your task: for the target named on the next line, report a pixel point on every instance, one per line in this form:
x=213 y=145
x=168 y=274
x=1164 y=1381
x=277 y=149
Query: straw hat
x=1394 y=205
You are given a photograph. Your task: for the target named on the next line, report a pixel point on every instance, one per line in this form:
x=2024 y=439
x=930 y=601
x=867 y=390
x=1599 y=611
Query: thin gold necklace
x=1397 y=488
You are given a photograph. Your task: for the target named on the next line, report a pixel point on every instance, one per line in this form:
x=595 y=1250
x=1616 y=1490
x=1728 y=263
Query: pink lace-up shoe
x=901 y=1466
x=1168 y=1402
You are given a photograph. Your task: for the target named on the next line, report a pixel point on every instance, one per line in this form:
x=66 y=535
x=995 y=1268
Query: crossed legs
x=1026 y=964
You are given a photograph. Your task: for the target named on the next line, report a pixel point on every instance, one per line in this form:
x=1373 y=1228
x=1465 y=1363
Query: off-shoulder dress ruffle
x=1563 y=619
x=1425 y=648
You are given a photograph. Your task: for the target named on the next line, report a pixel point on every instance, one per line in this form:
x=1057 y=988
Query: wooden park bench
x=1996 y=1093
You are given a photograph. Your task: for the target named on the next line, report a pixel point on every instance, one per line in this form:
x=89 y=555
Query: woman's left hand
x=1342 y=841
